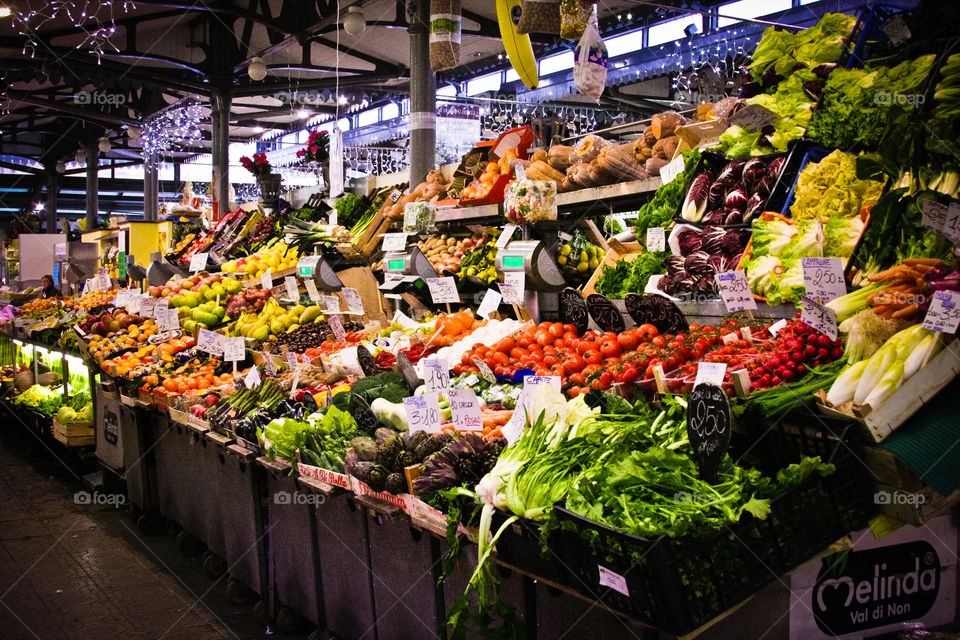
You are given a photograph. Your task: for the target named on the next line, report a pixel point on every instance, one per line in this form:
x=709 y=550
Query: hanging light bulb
x=354 y=22
x=80 y=156
x=133 y=132
x=257 y=70
x=104 y=144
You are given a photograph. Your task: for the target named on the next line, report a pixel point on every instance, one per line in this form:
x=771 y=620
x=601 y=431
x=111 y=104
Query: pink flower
x=300 y=153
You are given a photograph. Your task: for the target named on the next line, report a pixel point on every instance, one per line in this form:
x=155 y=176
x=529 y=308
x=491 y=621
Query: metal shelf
x=608 y=192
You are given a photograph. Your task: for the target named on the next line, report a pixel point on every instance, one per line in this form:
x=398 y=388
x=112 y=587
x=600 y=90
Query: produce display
x=446 y=253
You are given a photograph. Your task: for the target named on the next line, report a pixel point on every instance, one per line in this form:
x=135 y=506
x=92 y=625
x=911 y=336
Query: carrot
x=933 y=262
x=488 y=423
x=906 y=311
x=881 y=310
x=496 y=433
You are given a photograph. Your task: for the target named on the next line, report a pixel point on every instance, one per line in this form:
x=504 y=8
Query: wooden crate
x=618 y=251
x=71 y=435
x=73 y=429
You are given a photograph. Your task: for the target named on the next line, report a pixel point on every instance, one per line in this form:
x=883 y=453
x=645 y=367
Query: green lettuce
x=783 y=51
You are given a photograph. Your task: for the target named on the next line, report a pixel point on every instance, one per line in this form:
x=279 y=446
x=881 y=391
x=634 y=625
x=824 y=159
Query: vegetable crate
x=869 y=30
x=74 y=434
x=810 y=154
x=520 y=547
x=679 y=585
x=618 y=251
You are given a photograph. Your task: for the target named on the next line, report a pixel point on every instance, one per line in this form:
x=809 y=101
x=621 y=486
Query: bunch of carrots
x=907 y=295
x=493 y=422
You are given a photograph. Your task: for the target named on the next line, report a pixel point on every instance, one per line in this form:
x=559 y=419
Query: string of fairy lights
x=95 y=20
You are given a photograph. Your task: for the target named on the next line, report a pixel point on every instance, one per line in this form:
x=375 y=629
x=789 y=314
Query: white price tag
x=233 y=349
x=471 y=380
x=944 y=312
x=613 y=580
x=777 y=326
x=518 y=421
x=294 y=384
x=162 y=307
x=735 y=291
x=266 y=280
x=147 y=307
x=951 y=226
x=133 y=306
x=485 y=372
x=505 y=236
x=168 y=320
x=353 y=300
x=933 y=215
x=823 y=278
x=656 y=239
x=489 y=304
x=466 y=410
x=436 y=374
x=710 y=373
x=269 y=366
x=443 y=290
x=532 y=381
x=394 y=242
x=198 y=262
x=423 y=413
x=405 y=321
x=292 y=360
x=897 y=30
x=818 y=316
x=209 y=342
x=670 y=171
x=60 y=251
x=311 y=286
x=753 y=117
x=512 y=287
x=252 y=379
x=105 y=283
x=337 y=328
x=292 y=291
x=331 y=304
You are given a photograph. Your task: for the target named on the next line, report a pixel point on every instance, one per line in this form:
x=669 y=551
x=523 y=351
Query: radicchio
x=766 y=185
x=706 y=286
x=773 y=169
x=732 y=171
x=668 y=284
x=689 y=241
x=695 y=204
x=712 y=240
x=736 y=199
x=718 y=263
x=733 y=217
x=754 y=206
x=734 y=241
x=718 y=192
x=753 y=172
x=716 y=216
x=696 y=263
x=674 y=265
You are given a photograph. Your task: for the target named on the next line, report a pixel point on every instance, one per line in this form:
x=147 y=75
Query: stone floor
x=76 y=571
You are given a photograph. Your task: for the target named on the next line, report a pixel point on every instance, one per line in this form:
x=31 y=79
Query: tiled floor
x=84 y=572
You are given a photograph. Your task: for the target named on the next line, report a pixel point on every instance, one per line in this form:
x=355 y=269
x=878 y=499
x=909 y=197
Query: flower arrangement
x=258 y=166
x=317 y=148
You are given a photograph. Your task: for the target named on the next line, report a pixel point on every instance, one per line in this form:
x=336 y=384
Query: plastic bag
x=445 y=26
x=528 y=200
x=574 y=15
x=590 y=61
x=540 y=16
x=419 y=217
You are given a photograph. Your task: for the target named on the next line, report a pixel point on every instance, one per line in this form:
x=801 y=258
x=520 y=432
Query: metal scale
x=407 y=272
x=543 y=281
x=322 y=273
x=159 y=270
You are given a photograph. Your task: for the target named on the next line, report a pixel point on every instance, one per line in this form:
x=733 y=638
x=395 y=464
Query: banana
x=517 y=45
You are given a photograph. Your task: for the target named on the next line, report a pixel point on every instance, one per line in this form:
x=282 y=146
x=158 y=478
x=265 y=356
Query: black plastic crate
x=520 y=546
x=678 y=585
x=868 y=32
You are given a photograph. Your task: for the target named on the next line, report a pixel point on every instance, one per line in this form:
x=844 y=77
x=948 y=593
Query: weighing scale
x=543 y=281
x=323 y=275
x=159 y=271
x=407 y=272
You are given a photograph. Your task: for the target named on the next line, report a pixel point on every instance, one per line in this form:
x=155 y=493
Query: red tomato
x=658 y=341
x=606 y=379
x=457 y=369
x=628 y=340
x=569 y=328
x=592 y=356
x=647 y=331
x=501 y=358
x=550 y=360
x=505 y=345
x=573 y=364
x=550 y=350
x=591 y=369
x=610 y=348
x=555 y=329
x=544 y=338
x=570 y=336
x=524 y=342
x=559 y=344
x=501 y=371
x=467 y=358
x=590 y=336
x=577 y=379
x=481 y=350
x=583 y=346
x=573 y=392
x=518 y=353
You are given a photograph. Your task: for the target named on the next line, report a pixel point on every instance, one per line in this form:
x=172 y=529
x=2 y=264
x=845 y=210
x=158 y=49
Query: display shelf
x=608 y=192
x=458 y=214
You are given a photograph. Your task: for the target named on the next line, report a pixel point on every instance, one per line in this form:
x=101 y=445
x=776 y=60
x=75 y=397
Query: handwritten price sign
x=656 y=239
x=291 y=284
x=436 y=374
x=198 y=262
x=735 y=291
x=423 y=413
x=233 y=349
x=818 y=316
x=353 y=300
x=466 y=409
x=443 y=290
x=823 y=278
x=670 y=171
x=209 y=342
x=944 y=312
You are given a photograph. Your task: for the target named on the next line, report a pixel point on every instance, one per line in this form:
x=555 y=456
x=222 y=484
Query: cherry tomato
x=606 y=379
x=629 y=375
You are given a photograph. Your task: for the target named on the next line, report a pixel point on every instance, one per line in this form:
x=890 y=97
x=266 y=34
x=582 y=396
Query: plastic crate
x=810 y=154
x=679 y=585
x=520 y=546
x=868 y=30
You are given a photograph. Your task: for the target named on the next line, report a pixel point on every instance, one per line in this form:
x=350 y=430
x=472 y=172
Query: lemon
x=594 y=263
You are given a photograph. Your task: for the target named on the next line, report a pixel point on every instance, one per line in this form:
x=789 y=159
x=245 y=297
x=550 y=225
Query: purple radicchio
x=775 y=166
x=716 y=216
x=736 y=199
x=732 y=171
x=689 y=241
x=712 y=240
x=695 y=204
x=754 y=206
x=717 y=263
x=733 y=217
x=735 y=240
x=696 y=263
x=718 y=192
x=674 y=265
x=753 y=172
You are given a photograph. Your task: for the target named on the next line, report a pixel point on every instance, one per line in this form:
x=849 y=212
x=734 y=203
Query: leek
x=846 y=384
x=889 y=383
x=849 y=305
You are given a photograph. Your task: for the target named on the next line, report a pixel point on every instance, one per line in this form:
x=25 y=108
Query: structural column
x=220 y=100
x=423 y=94
x=150 y=189
x=93 y=167
x=53 y=184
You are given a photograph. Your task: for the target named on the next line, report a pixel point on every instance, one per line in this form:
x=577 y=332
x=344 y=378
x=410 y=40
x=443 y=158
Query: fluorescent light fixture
x=258 y=129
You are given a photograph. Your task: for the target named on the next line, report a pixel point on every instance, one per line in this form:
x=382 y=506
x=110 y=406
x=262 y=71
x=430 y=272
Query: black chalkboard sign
x=366 y=420
x=607 y=316
x=573 y=309
x=709 y=427
x=366 y=361
x=656 y=310
x=408 y=370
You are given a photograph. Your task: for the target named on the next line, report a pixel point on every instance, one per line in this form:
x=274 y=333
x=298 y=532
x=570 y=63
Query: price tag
x=818 y=316
x=823 y=278
x=670 y=171
x=353 y=300
x=511 y=289
x=753 y=118
x=294 y=384
x=104 y=280
x=269 y=366
x=518 y=421
x=423 y=413
x=311 y=286
x=777 y=326
x=252 y=379
x=436 y=374
x=709 y=428
x=394 y=242
x=147 y=307
x=133 y=306
x=337 y=328
x=710 y=373
x=198 y=262
x=656 y=239
x=505 y=236
x=331 y=304
x=471 y=380
x=443 y=290
x=60 y=251
x=489 y=304
x=395 y=195
x=566 y=237
x=944 y=312
x=466 y=409
x=233 y=349
x=292 y=291
x=951 y=226
x=209 y=342
x=735 y=291
x=168 y=320
x=897 y=30
x=613 y=580
x=266 y=280
x=532 y=381
x=934 y=215
x=292 y=360
x=485 y=372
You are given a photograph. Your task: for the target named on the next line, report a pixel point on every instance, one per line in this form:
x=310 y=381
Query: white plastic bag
x=590 y=61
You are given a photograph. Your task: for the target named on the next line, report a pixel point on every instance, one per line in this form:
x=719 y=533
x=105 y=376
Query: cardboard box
x=618 y=251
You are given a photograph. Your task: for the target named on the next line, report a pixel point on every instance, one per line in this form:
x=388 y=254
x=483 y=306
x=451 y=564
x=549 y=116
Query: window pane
x=750 y=9
x=556 y=63
x=368 y=117
x=390 y=111
x=672 y=29
x=448 y=91
x=624 y=44
x=485 y=83
x=512 y=76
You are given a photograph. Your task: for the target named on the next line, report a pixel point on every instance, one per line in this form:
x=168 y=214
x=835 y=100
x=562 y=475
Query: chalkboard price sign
x=607 y=316
x=366 y=420
x=709 y=427
x=366 y=361
x=408 y=370
x=573 y=309
x=658 y=311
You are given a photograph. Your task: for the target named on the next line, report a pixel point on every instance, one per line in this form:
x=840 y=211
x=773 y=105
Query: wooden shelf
x=608 y=192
